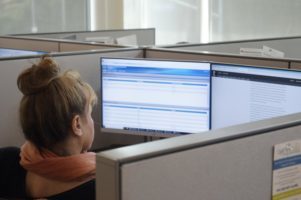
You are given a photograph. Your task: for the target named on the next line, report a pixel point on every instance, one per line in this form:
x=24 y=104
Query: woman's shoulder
x=83 y=191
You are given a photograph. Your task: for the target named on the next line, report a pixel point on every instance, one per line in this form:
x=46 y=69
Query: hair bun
x=36 y=78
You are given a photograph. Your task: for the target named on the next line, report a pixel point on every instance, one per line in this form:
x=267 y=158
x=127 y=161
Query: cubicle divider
x=294 y=64
x=52 y=45
x=142 y=36
x=290 y=46
x=160 y=53
x=29 y=44
x=88 y=65
x=228 y=163
x=87 y=62
x=68 y=46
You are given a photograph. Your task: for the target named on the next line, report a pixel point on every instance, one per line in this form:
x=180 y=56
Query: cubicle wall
x=295 y=64
x=161 y=53
x=87 y=63
x=51 y=45
x=228 y=163
x=290 y=46
x=67 y=46
x=144 y=36
x=29 y=44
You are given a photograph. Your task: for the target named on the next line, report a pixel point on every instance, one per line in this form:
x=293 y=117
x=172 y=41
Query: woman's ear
x=76 y=126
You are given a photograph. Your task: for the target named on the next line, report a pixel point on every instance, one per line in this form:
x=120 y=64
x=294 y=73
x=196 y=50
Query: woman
x=55 y=115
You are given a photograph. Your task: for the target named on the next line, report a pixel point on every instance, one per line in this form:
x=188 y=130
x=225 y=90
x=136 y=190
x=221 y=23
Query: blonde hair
x=50 y=101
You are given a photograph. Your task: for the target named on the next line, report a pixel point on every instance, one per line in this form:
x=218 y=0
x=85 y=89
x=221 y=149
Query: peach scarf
x=79 y=167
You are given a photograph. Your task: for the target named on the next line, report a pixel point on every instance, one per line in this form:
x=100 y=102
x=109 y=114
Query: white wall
x=203 y=20
x=250 y=19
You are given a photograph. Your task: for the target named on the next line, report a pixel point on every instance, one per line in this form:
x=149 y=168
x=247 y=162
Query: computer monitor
x=155 y=97
x=5 y=52
x=243 y=94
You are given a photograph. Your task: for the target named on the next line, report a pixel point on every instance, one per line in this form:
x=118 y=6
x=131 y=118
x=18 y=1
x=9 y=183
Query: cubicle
x=51 y=45
x=140 y=37
x=86 y=62
x=288 y=45
x=229 y=163
x=179 y=54
x=29 y=44
x=295 y=64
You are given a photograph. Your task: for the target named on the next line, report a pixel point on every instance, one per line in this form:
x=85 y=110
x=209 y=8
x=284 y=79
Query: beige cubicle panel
x=29 y=44
x=289 y=46
x=228 y=163
x=88 y=65
x=52 y=45
x=295 y=65
x=65 y=46
x=159 y=53
x=145 y=36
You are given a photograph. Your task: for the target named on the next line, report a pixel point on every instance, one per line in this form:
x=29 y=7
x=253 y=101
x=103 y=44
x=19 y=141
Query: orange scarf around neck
x=79 y=167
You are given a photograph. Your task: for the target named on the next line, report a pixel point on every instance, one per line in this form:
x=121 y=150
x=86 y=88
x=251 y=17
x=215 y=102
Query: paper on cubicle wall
x=104 y=40
x=127 y=40
x=265 y=52
x=250 y=51
x=268 y=51
x=287 y=171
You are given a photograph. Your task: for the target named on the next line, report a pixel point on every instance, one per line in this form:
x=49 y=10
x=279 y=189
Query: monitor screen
x=155 y=97
x=243 y=94
x=4 y=52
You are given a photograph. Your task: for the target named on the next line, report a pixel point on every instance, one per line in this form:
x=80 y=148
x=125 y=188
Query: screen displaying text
x=242 y=94
x=164 y=97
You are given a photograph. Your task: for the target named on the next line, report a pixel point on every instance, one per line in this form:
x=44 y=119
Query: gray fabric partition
x=51 y=45
x=290 y=46
x=159 y=53
x=229 y=163
x=81 y=46
x=87 y=63
x=144 y=36
x=295 y=65
x=29 y=44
